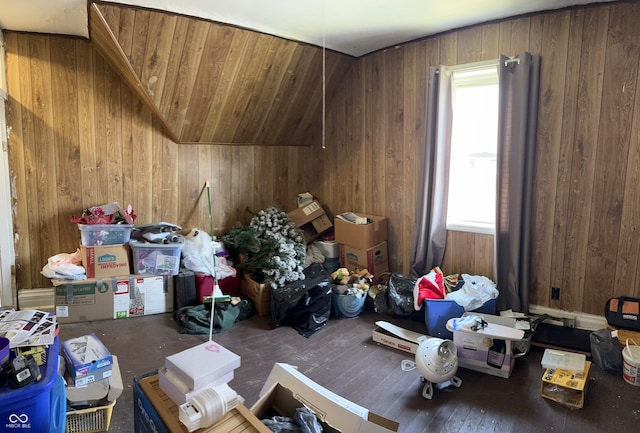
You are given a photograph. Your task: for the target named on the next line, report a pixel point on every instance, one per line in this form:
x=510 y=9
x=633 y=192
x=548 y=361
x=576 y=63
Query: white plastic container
x=631 y=363
x=560 y=359
x=329 y=249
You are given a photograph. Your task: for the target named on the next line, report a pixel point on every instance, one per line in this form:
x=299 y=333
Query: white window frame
x=472 y=75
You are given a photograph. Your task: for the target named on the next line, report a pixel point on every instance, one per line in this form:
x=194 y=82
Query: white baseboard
x=586 y=321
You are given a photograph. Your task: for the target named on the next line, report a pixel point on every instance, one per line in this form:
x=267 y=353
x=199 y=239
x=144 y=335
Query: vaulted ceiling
x=215 y=83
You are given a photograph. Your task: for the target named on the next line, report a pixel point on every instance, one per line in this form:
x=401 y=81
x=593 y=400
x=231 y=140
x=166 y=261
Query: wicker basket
x=92 y=420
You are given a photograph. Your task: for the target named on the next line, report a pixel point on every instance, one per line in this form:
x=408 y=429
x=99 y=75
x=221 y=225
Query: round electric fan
x=437 y=362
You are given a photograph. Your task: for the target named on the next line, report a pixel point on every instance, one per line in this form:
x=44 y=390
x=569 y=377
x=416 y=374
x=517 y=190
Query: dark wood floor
x=343 y=358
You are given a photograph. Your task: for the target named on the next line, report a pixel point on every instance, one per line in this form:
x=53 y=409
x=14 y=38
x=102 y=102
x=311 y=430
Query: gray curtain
x=518 y=109
x=430 y=227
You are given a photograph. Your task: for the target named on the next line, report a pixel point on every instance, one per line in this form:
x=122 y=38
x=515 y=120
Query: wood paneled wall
x=81 y=137
x=215 y=83
x=585 y=238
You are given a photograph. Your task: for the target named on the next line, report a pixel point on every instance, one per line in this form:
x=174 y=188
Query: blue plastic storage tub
x=347 y=306
x=438 y=311
x=39 y=407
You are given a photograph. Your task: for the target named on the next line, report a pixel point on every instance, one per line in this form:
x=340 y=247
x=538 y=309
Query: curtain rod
x=512 y=60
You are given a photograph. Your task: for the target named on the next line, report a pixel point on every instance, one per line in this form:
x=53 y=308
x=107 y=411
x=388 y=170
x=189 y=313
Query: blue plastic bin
x=438 y=311
x=347 y=306
x=39 y=407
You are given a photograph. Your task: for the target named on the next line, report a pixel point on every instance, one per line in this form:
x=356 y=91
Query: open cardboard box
x=286 y=389
x=489 y=350
x=311 y=219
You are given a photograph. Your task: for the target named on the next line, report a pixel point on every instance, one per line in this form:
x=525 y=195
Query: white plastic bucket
x=631 y=363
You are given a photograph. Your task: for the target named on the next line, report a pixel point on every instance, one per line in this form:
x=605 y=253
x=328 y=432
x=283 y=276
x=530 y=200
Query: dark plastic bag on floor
x=305 y=304
x=397 y=300
x=606 y=351
x=196 y=319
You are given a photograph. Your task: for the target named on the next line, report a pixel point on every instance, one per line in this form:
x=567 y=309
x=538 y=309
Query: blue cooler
x=438 y=311
x=39 y=407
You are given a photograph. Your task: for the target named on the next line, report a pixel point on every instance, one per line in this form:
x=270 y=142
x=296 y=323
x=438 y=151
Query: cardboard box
x=386 y=338
x=90 y=394
x=80 y=301
x=566 y=387
x=87 y=359
x=286 y=386
x=485 y=352
x=374 y=259
x=259 y=294
x=155 y=413
x=111 y=298
x=106 y=260
x=361 y=236
x=151 y=295
x=311 y=219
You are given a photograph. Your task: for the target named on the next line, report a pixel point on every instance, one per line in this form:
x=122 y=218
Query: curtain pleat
x=430 y=227
x=518 y=108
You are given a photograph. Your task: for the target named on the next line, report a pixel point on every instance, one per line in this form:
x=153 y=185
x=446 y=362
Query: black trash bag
x=397 y=300
x=606 y=351
x=305 y=304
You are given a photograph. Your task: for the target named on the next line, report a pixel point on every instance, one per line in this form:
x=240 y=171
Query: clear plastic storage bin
x=155 y=258
x=105 y=234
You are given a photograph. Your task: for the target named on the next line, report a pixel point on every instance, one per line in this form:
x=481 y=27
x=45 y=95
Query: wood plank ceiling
x=215 y=83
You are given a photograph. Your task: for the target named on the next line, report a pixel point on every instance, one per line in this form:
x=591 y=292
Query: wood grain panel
x=119 y=57
x=213 y=83
x=154 y=69
x=66 y=140
x=555 y=35
x=564 y=181
x=42 y=162
x=588 y=99
x=459 y=255
x=620 y=79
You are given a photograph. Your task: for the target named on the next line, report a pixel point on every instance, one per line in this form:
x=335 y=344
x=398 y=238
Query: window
x=474 y=141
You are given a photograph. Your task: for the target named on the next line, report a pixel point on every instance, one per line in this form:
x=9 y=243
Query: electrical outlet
x=555 y=293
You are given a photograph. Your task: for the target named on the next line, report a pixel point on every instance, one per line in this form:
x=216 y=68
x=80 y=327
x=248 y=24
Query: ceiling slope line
x=101 y=36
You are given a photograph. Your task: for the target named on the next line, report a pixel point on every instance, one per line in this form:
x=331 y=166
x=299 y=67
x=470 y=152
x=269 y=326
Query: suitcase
x=185 y=289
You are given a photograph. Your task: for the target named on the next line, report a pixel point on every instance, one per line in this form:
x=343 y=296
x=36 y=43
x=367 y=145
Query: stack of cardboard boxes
x=111 y=290
x=363 y=242
x=93 y=383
